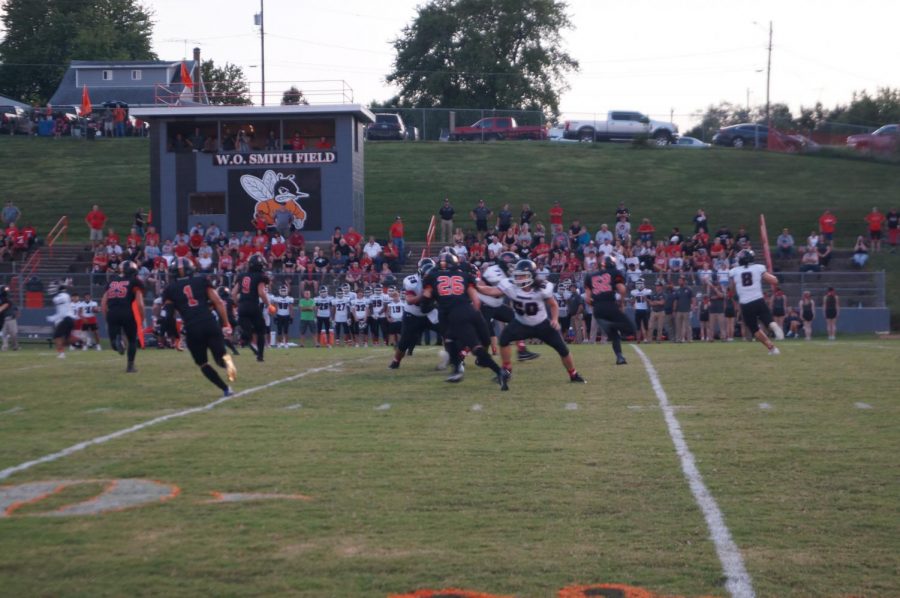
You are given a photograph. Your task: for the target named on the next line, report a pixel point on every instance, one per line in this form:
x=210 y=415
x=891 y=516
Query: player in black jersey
x=463 y=328
x=123 y=307
x=249 y=290
x=231 y=322
x=600 y=290
x=194 y=297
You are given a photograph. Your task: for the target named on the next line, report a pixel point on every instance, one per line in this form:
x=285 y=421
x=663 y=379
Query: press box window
x=107 y=75
x=206 y=203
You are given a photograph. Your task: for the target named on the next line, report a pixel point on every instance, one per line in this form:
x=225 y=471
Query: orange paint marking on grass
x=447 y=593
x=225 y=497
x=21 y=503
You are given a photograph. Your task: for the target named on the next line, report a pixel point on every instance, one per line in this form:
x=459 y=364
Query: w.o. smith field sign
x=265 y=159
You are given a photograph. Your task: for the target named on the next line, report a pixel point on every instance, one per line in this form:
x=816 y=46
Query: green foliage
x=293 y=97
x=225 y=86
x=494 y=54
x=43 y=37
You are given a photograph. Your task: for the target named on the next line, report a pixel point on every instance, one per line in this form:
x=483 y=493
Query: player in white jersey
x=341 y=304
x=747 y=279
x=359 y=309
x=415 y=321
x=563 y=295
x=495 y=309
x=89 y=309
x=324 y=308
x=377 y=314
x=531 y=299
x=639 y=295
x=284 y=308
x=394 y=309
x=63 y=319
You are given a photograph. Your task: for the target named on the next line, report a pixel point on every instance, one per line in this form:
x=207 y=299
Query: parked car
x=9 y=119
x=621 y=125
x=387 y=126
x=497 y=128
x=886 y=139
x=691 y=142
x=750 y=135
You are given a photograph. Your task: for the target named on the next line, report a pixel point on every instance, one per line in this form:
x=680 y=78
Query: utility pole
x=768 y=77
x=258 y=19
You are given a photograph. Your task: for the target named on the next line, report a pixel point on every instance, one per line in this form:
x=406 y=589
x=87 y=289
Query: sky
x=660 y=57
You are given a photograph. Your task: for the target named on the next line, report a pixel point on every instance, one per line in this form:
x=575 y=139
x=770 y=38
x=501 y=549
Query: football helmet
x=608 y=263
x=389 y=281
x=639 y=284
x=425 y=265
x=223 y=292
x=256 y=263
x=182 y=267
x=339 y=292
x=323 y=291
x=368 y=292
x=745 y=257
x=283 y=291
x=524 y=273
x=4 y=292
x=507 y=261
x=346 y=288
x=128 y=268
x=448 y=258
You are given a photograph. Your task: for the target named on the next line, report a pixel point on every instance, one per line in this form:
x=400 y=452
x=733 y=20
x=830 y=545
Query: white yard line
x=738 y=582
x=5 y=473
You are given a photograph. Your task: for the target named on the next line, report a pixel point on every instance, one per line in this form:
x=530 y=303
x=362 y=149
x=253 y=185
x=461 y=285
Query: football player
x=63 y=319
x=415 y=321
x=600 y=294
x=394 y=316
x=563 y=295
x=531 y=298
x=494 y=308
x=324 y=306
x=284 y=307
x=746 y=280
x=359 y=307
x=231 y=322
x=89 y=319
x=463 y=328
x=640 y=294
x=341 y=305
x=250 y=294
x=194 y=297
x=123 y=307
x=377 y=314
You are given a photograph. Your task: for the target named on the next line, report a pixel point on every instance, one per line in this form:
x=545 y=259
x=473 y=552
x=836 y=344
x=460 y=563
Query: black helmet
x=182 y=267
x=448 y=257
x=507 y=261
x=746 y=257
x=425 y=265
x=524 y=273
x=256 y=263
x=128 y=268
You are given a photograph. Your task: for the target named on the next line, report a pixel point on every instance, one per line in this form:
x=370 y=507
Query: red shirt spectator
x=279 y=249
x=298 y=143
x=827 y=222
x=260 y=239
x=29 y=231
x=541 y=249
x=476 y=252
x=353 y=238
x=112 y=238
x=297 y=241
x=133 y=239
x=573 y=264
x=196 y=241
x=645 y=230
x=182 y=250
x=876 y=220
x=152 y=237
x=100 y=261
x=556 y=214
x=245 y=252
x=226 y=263
x=95 y=218
x=303 y=262
x=323 y=143
x=260 y=225
x=11 y=231
x=396 y=230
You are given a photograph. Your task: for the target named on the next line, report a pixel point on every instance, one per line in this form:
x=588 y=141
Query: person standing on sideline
x=307 y=307
x=9 y=328
x=480 y=215
x=746 y=279
x=831 y=303
x=95 y=221
x=684 y=306
x=504 y=220
x=827 y=223
x=396 y=235
x=875 y=219
x=807 y=313
x=10 y=214
x=526 y=214
x=446 y=213
x=556 y=215
x=893 y=223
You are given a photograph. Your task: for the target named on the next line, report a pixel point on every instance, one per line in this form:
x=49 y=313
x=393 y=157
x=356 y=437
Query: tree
x=225 y=86
x=43 y=37
x=293 y=97
x=493 y=54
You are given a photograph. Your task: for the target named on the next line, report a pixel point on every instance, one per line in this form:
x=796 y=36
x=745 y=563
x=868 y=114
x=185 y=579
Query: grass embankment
x=49 y=178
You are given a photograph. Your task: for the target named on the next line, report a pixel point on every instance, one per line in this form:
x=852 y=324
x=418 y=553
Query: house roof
x=167 y=112
x=67 y=94
x=5 y=101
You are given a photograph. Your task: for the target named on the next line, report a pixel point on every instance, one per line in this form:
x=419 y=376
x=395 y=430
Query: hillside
x=48 y=178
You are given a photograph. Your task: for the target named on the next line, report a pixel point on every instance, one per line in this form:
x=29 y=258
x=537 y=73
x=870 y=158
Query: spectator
x=556 y=215
x=526 y=214
x=860 y=252
x=621 y=210
x=807 y=313
x=743 y=238
x=95 y=221
x=700 y=222
x=197 y=139
x=524 y=238
x=391 y=255
x=11 y=214
x=645 y=231
x=785 y=244
x=893 y=224
x=336 y=237
x=139 y=222
x=297 y=242
x=480 y=214
x=353 y=239
x=675 y=238
x=504 y=219
x=831 y=307
x=494 y=247
x=827 y=224
x=134 y=238
x=604 y=235
x=119 y=120
x=396 y=234
x=211 y=145
x=283 y=218
x=373 y=251
x=684 y=306
x=875 y=220
x=272 y=142
x=824 y=251
x=812 y=240
x=298 y=144
x=9 y=328
x=151 y=236
x=809 y=262
x=792 y=324
x=446 y=213
x=623 y=230
x=323 y=143
x=278 y=252
x=213 y=233
x=559 y=240
x=461 y=251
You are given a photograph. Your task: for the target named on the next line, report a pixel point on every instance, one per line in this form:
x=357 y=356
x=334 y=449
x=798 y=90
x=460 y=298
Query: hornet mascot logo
x=273 y=191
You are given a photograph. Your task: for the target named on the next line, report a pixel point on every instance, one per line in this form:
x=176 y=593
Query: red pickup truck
x=497 y=128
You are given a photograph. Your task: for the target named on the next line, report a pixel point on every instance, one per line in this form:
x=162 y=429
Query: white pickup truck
x=620 y=125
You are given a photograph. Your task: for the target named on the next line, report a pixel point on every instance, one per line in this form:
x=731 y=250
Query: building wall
x=93 y=77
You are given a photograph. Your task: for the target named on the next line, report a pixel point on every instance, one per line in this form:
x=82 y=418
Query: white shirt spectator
x=212 y=233
x=461 y=251
x=114 y=249
x=603 y=236
x=372 y=249
x=495 y=248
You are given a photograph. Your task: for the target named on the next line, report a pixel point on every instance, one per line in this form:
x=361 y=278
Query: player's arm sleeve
x=214 y=298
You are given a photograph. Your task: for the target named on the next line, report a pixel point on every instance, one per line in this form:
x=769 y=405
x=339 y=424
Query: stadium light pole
x=258 y=20
x=768 y=77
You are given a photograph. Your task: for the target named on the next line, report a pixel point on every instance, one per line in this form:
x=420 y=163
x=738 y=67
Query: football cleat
x=505 y=376
x=230 y=370
x=620 y=359
x=526 y=355
x=455 y=377
x=774 y=351
x=227 y=392
x=130 y=369
x=577 y=379
x=777 y=331
x=394 y=364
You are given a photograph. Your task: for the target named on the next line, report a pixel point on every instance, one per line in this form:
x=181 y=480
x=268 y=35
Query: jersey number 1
x=190 y=297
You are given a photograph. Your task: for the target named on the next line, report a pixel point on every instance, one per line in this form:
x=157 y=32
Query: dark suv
x=386 y=126
x=752 y=135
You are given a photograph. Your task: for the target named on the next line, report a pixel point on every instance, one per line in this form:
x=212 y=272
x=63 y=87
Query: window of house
x=136 y=75
x=107 y=75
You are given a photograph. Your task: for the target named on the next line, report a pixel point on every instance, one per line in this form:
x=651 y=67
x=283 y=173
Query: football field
x=695 y=470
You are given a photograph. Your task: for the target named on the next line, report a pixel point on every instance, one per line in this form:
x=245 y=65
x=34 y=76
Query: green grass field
x=414 y=483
